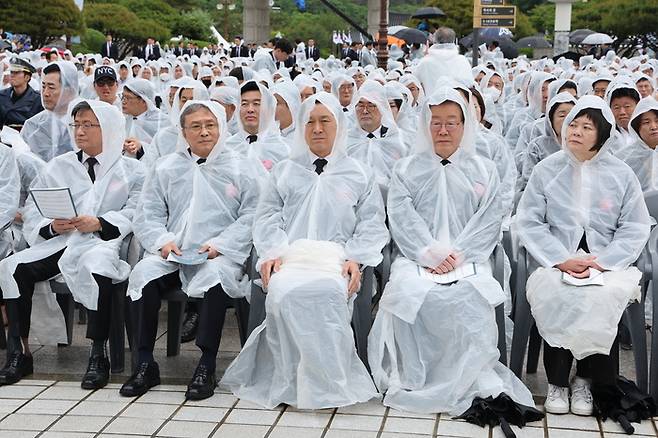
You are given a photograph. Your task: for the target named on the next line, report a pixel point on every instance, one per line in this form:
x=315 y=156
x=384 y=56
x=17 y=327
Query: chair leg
x=134 y=311
x=242 y=314
x=522 y=325
x=117 y=330
x=635 y=322
x=502 y=342
x=175 y=313
x=534 y=346
x=256 y=308
x=67 y=305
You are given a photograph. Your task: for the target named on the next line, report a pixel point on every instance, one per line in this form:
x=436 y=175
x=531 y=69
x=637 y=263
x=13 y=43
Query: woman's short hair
x=568 y=85
x=635 y=124
x=602 y=126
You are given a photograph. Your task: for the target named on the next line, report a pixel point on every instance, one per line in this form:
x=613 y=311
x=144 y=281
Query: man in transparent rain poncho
x=46 y=133
x=433 y=347
x=104 y=187
x=641 y=155
x=258 y=133
x=320 y=218
x=199 y=200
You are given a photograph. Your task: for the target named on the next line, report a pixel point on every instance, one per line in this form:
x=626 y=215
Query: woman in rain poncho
x=193 y=203
x=46 y=132
x=550 y=142
x=433 y=347
x=641 y=154
x=582 y=211
x=320 y=215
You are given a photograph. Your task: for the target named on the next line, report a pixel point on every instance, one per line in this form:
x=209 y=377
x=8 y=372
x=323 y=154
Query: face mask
x=207 y=82
x=493 y=93
x=164 y=77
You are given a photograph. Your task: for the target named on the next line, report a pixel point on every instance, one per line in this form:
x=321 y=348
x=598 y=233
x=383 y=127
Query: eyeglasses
x=128 y=98
x=366 y=106
x=85 y=125
x=196 y=128
x=450 y=126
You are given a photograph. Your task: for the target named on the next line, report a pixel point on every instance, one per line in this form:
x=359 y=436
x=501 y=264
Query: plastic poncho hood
x=219 y=113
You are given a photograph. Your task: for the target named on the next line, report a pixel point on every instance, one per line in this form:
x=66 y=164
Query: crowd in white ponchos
x=432 y=347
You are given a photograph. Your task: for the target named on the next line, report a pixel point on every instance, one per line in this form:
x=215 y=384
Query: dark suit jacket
x=114 y=51
x=155 y=54
x=352 y=55
x=312 y=52
x=240 y=52
x=180 y=52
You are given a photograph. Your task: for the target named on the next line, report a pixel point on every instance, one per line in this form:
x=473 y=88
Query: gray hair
x=444 y=35
x=191 y=109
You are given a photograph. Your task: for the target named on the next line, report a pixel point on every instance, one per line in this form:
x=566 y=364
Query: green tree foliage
x=193 y=24
x=90 y=41
x=128 y=29
x=43 y=20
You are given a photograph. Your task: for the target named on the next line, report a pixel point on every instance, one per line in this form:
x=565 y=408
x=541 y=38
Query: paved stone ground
x=51 y=404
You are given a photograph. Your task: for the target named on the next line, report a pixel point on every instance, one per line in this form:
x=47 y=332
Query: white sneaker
x=557 y=400
x=581 y=397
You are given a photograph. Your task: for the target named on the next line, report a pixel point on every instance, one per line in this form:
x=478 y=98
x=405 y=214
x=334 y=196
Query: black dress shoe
x=146 y=377
x=18 y=366
x=202 y=385
x=190 y=325
x=98 y=373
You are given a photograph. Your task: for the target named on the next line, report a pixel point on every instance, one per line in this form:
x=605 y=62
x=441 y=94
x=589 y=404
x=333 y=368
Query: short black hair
x=603 y=127
x=568 y=85
x=636 y=121
x=551 y=112
x=249 y=86
x=237 y=73
x=625 y=92
x=80 y=106
x=51 y=68
x=284 y=45
x=480 y=99
x=368 y=43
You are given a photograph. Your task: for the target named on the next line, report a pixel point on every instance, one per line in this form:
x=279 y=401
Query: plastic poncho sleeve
x=151 y=215
x=409 y=230
x=534 y=232
x=10 y=187
x=122 y=219
x=370 y=234
x=477 y=240
x=632 y=231
x=270 y=237
x=236 y=240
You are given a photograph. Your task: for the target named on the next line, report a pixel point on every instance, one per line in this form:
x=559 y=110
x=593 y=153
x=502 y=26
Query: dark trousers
x=212 y=313
x=19 y=311
x=600 y=368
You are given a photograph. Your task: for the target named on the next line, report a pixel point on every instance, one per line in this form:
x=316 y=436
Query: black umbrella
x=411 y=36
x=623 y=403
x=508 y=47
x=568 y=55
x=534 y=42
x=429 y=12
x=502 y=411
x=578 y=35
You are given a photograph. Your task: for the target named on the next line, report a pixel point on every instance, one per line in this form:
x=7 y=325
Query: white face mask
x=164 y=77
x=493 y=93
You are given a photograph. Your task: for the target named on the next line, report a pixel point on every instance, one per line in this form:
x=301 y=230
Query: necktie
x=91 y=162
x=371 y=135
x=383 y=131
x=345 y=110
x=200 y=161
x=445 y=162
x=319 y=165
x=252 y=138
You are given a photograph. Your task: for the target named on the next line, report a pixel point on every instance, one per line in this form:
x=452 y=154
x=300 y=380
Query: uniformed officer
x=19 y=102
